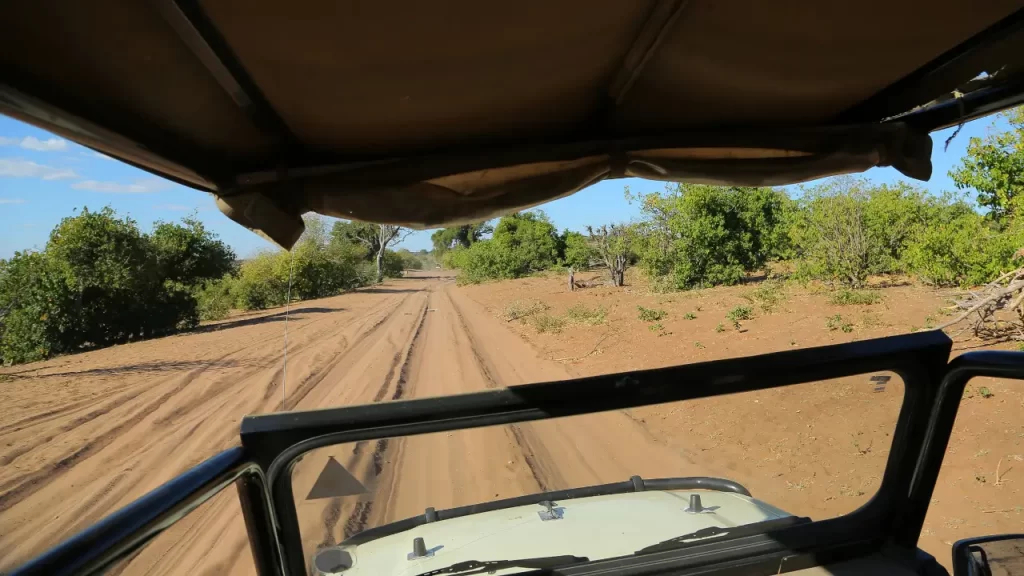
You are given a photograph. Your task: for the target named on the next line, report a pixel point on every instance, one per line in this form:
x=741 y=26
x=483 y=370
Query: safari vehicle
x=455 y=111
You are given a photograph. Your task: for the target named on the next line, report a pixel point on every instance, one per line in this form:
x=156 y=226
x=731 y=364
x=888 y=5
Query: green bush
x=847 y=229
x=837 y=322
x=410 y=261
x=968 y=251
x=393 y=264
x=101 y=281
x=578 y=252
x=650 y=314
x=703 y=235
x=262 y=281
x=738 y=314
x=215 y=299
x=521 y=244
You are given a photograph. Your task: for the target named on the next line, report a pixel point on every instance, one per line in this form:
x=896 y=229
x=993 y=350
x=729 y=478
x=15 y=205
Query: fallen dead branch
x=979 y=308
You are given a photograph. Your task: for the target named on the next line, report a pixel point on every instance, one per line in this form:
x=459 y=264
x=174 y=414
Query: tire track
x=485 y=369
x=529 y=457
x=14 y=454
x=33 y=481
x=413 y=348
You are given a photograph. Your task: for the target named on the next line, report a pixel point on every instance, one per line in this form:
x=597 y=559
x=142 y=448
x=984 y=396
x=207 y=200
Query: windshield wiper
x=733 y=531
x=476 y=566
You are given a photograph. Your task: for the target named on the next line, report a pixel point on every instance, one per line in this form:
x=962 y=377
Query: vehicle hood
x=595 y=527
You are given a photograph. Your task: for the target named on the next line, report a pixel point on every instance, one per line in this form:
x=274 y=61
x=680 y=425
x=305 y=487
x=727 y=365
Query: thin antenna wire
x=287 y=306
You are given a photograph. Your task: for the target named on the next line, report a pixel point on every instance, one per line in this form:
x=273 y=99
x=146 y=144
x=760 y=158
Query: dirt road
x=83 y=435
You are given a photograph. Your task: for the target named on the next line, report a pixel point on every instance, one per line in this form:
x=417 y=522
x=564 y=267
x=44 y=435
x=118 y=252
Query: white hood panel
x=596 y=527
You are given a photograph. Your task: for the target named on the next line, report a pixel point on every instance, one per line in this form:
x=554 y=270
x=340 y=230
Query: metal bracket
x=551 y=512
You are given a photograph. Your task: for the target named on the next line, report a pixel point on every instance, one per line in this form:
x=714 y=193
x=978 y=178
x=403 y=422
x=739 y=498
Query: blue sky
x=44 y=178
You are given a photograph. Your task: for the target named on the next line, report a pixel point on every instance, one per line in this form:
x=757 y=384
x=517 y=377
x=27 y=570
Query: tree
x=375 y=237
x=612 y=244
x=699 y=235
x=994 y=166
x=189 y=253
x=578 y=252
x=522 y=243
x=459 y=236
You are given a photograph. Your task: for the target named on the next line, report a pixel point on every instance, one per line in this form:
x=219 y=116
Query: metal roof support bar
x=195 y=29
x=904 y=94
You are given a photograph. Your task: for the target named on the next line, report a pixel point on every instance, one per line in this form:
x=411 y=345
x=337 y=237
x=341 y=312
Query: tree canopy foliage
x=994 y=166
x=459 y=236
x=698 y=235
x=101 y=281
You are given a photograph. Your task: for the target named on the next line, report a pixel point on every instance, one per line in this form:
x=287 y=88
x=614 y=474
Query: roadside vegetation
x=100 y=280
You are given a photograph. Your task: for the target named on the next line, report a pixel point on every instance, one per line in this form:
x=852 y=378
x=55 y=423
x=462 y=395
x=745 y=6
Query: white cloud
x=33 y=143
x=12 y=200
x=173 y=207
x=137 y=187
x=21 y=168
x=49 y=145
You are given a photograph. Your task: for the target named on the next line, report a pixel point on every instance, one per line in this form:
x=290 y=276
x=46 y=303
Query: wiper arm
x=477 y=567
x=733 y=531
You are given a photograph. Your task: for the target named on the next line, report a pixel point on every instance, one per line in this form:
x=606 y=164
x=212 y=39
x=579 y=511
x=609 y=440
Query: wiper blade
x=733 y=531
x=477 y=566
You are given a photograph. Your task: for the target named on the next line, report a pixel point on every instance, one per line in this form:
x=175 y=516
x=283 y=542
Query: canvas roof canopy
x=435 y=113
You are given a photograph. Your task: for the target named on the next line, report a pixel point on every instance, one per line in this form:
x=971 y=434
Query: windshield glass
x=814 y=449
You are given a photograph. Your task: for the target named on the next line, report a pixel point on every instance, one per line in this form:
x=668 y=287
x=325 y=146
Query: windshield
x=139 y=326
x=794 y=449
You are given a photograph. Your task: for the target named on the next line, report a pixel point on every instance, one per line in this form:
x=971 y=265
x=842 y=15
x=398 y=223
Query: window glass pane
x=980 y=490
x=211 y=540
x=815 y=449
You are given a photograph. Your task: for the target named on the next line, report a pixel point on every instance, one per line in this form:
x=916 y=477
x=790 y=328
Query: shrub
x=847 y=230
x=578 y=252
x=768 y=295
x=650 y=315
x=967 y=251
x=262 y=281
x=846 y=297
x=522 y=244
x=837 y=322
x=738 y=314
x=394 y=263
x=215 y=299
x=580 y=314
x=707 y=235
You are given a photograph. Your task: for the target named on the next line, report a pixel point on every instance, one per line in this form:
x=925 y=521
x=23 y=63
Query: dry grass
x=581 y=314
x=544 y=322
x=519 y=309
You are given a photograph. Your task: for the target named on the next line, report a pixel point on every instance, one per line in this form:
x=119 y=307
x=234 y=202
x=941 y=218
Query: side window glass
x=210 y=540
x=980 y=490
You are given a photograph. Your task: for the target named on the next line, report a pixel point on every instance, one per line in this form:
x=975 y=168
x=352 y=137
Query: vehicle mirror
x=1001 y=555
